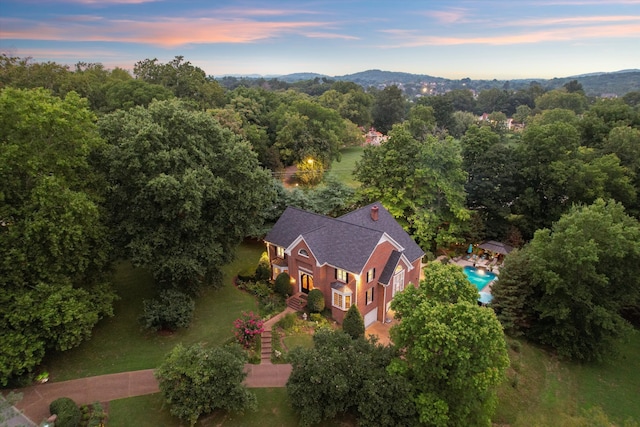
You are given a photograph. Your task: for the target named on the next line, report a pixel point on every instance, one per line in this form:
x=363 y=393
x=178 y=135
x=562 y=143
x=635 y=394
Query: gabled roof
x=387 y=223
x=346 y=242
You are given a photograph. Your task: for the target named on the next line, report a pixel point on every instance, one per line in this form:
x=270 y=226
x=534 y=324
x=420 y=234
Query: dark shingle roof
x=390 y=267
x=345 y=242
x=387 y=223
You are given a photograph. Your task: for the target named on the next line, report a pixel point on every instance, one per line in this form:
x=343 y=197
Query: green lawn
x=298 y=340
x=118 y=344
x=550 y=392
x=343 y=169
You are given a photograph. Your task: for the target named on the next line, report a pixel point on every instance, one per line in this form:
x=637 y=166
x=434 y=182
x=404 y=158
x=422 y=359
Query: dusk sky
x=452 y=39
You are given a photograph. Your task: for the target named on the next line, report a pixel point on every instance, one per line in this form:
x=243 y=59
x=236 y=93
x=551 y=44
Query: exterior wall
x=377 y=260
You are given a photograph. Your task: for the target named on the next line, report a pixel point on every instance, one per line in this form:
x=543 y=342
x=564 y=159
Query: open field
x=118 y=344
x=343 y=169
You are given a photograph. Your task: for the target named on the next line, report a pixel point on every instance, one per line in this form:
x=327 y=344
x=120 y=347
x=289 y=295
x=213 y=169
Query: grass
x=343 y=170
x=542 y=390
x=118 y=344
x=298 y=340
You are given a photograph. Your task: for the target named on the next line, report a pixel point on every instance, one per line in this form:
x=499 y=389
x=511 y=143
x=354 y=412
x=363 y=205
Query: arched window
x=304 y=253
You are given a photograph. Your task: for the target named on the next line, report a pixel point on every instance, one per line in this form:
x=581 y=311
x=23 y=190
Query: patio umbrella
x=485 y=297
x=470 y=248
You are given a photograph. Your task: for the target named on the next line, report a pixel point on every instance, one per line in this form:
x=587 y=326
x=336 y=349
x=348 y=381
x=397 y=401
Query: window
x=280 y=252
x=342 y=275
x=369 y=296
x=398 y=280
x=371 y=274
x=304 y=253
x=341 y=300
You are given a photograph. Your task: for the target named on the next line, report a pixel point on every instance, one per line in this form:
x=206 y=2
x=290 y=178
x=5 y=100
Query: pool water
x=478 y=276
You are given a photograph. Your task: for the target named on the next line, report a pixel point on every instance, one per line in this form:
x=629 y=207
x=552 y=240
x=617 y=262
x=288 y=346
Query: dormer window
x=280 y=252
x=304 y=253
x=342 y=275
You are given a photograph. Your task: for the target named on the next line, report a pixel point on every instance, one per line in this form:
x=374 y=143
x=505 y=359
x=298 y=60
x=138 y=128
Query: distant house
x=364 y=258
x=373 y=137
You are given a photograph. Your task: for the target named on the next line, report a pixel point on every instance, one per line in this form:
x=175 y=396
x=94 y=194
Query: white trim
x=343 y=296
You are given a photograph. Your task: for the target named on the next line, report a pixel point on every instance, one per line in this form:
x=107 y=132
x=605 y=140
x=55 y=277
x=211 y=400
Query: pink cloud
x=163 y=32
x=450 y=16
x=561 y=34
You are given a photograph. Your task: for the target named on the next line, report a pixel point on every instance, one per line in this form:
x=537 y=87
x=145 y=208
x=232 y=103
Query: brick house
x=364 y=258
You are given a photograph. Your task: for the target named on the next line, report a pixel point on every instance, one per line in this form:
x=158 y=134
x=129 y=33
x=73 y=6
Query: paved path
x=36 y=399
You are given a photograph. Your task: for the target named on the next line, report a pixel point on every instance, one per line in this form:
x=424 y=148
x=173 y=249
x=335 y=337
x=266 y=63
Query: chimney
x=374 y=213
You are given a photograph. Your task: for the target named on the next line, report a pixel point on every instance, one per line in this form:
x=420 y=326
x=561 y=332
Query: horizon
x=481 y=40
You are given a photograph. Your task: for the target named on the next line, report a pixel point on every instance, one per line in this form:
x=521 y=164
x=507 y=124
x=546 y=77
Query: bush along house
x=364 y=258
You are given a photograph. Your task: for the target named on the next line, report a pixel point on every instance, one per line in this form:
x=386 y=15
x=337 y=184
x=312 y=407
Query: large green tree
x=420 y=182
x=197 y=380
x=342 y=375
x=582 y=273
x=389 y=108
x=53 y=240
x=453 y=351
x=183 y=190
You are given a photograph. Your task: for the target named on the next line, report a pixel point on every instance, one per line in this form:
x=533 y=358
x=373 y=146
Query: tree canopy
x=53 y=242
x=197 y=380
x=420 y=182
x=453 y=351
x=581 y=274
x=183 y=191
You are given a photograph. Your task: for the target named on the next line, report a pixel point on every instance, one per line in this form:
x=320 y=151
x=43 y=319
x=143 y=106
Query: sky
x=479 y=39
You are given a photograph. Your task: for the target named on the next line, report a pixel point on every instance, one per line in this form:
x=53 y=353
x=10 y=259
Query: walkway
x=36 y=399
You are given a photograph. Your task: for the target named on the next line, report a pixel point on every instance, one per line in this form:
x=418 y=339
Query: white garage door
x=370 y=317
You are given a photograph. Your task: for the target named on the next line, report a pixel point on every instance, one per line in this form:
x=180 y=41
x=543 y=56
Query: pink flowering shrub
x=247 y=328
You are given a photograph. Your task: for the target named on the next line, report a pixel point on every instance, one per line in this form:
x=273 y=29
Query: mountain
x=617 y=83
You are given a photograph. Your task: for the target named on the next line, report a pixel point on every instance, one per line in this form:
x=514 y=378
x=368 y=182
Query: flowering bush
x=247 y=328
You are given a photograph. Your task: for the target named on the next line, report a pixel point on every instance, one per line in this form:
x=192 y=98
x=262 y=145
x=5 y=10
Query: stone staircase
x=265 y=336
x=297 y=302
x=265 y=343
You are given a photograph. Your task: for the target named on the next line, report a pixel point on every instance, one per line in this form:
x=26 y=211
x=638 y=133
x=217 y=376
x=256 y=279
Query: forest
x=171 y=170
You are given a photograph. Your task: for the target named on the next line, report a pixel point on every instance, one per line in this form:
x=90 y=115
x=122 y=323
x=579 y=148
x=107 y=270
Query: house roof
x=346 y=242
x=496 y=247
x=387 y=223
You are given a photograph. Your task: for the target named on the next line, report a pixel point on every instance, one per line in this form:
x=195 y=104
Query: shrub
x=315 y=301
x=263 y=271
x=247 y=328
x=283 y=285
x=288 y=321
x=171 y=310
x=67 y=412
x=197 y=380
x=353 y=323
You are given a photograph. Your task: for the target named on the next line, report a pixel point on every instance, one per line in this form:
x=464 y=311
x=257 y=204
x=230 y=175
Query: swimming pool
x=478 y=276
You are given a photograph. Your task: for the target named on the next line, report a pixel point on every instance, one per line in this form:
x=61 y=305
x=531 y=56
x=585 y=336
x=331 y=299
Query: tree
x=353 y=323
x=196 y=380
x=342 y=375
x=185 y=80
x=170 y=311
x=582 y=272
x=184 y=192
x=446 y=283
x=575 y=101
x=53 y=244
x=388 y=108
x=420 y=183
x=454 y=354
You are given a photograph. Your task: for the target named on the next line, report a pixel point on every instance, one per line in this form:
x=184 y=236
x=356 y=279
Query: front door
x=306 y=282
